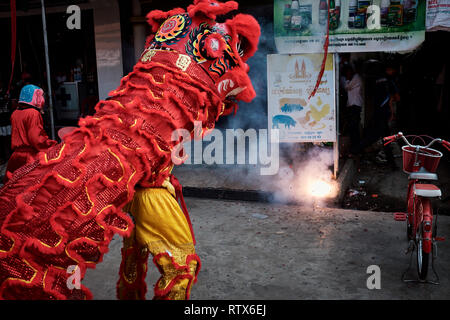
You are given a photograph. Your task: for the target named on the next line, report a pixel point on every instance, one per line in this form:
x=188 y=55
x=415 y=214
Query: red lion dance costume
x=64 y=208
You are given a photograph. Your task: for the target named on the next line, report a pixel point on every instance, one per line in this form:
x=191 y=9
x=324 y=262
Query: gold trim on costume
x=47 y=161
x=178 y=252
x=22 y=280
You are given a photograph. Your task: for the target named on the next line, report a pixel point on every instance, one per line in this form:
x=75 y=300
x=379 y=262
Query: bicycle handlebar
x=392 y=138
x=400 y=135
x=395 y=136
x=446 y=144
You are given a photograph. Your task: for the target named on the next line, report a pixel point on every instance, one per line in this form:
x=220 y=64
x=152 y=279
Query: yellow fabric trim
x=178 y=252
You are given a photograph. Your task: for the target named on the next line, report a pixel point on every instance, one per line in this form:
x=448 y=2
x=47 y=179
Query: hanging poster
x=438 y=15
x=291 y=79
x=354 y=26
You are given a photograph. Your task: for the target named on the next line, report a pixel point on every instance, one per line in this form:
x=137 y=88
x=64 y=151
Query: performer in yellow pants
x=163 y=230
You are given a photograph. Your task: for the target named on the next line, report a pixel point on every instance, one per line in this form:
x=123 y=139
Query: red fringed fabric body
x=61 y=211
x=64 y=208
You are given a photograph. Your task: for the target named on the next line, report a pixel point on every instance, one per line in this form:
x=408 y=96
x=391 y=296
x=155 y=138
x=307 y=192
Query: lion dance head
x=221 y=49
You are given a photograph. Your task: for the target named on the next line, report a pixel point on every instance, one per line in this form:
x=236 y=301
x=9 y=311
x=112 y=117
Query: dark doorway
x=72 y=62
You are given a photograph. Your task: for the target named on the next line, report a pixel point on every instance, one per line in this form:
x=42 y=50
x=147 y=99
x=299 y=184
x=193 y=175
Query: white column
x=108 y=45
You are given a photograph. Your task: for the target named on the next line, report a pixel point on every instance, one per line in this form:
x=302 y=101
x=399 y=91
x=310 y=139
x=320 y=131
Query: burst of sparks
x=321 y=189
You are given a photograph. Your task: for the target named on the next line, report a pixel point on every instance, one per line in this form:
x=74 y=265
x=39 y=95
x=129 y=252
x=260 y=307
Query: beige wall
x=108 y=45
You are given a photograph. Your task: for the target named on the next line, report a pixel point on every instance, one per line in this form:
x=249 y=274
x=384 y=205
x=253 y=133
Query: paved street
x=291 y=252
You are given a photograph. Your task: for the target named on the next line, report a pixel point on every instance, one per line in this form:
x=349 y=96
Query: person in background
x=385 y=97
x=353 y=86
x=60 y=78
x=28 y=136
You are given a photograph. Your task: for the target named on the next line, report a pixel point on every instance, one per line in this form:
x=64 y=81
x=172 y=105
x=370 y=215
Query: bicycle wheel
x=411 y=217
x=422 y=261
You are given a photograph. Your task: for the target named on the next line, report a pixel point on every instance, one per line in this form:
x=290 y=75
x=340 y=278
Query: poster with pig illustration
x=291 y=79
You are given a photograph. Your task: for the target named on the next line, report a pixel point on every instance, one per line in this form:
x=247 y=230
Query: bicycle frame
x=419 y=209
x=424 y=216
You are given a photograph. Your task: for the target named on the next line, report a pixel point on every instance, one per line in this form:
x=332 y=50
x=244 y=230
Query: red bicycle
x=421 y=163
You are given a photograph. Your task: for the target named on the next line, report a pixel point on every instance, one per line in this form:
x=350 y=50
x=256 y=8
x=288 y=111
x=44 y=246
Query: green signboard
x=354 y=26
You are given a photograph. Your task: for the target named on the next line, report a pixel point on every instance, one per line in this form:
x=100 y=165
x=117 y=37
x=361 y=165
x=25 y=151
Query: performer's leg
x=163 y=228
x=178 y=272
x=133 y=269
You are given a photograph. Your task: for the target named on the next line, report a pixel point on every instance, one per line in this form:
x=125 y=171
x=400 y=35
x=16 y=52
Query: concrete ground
x=291 y=252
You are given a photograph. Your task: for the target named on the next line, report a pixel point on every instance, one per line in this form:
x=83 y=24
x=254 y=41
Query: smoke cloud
x=299 y=167
x=296 y=182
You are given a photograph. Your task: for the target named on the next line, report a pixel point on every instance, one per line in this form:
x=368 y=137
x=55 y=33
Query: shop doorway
x=72 y=63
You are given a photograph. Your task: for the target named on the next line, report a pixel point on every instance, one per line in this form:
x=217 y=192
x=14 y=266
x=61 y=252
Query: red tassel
x=325 y=54
x=179 y=194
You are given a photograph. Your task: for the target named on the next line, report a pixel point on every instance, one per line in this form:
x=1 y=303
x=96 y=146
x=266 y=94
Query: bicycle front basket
x=426 y=157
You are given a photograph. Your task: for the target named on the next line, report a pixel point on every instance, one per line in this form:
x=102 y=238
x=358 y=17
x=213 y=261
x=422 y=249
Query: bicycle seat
x=427 y=190
x=422 y=174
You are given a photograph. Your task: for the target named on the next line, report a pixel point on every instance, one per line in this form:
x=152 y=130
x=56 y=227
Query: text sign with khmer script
x=355 y=26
